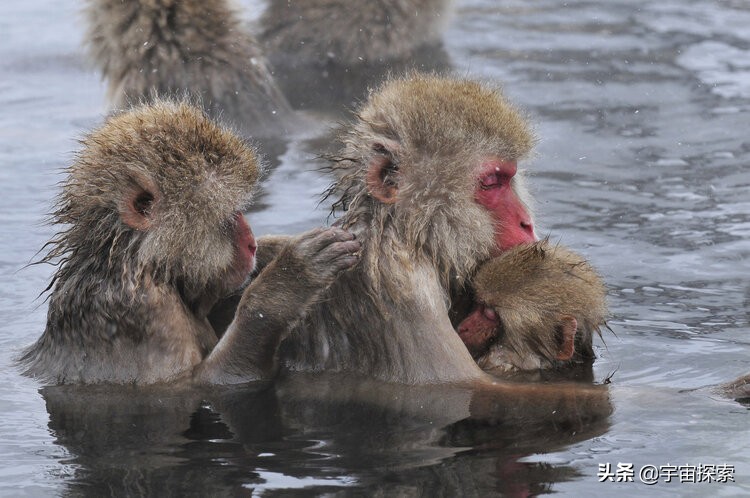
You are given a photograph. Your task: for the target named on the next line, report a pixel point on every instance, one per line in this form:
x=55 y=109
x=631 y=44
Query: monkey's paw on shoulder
x=316 y=257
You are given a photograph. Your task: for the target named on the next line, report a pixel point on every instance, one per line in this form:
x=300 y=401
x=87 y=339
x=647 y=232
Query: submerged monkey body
x=173 y=48
x=153 y=237
x=334 y=338
x=410 y=172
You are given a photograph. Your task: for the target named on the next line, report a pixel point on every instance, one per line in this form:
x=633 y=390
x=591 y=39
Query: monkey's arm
x=269 y=246
x=222 y=314
x=274 y=302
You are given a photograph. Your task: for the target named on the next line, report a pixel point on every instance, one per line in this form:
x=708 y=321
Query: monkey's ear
x=382 y=173
x=568 y=328
x=137 y=208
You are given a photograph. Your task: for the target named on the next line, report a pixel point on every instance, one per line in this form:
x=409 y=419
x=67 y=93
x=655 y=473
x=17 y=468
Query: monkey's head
x=435 y=159
x=537 y=306
x=159 y=191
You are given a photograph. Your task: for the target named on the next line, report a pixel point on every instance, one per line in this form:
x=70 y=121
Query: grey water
x=643 y=113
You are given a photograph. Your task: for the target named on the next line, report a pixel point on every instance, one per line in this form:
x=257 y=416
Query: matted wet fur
x=531 y=288
x=151 y=237
x=172 y=48
x=389 y=316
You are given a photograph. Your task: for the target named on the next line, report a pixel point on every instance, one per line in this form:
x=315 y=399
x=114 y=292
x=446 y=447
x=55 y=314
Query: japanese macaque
x=349 y=32
x=331 y=51
x=147 y=48
x=537 y=307
x=154 y=235
x=738 y=389
x=429 y=186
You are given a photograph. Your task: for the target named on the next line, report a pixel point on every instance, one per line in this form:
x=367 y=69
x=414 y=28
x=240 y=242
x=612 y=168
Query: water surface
x=642 y=113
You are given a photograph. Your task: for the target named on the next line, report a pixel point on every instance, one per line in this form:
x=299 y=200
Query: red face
x=479 y=330
x=513 y=225
x=244 y=252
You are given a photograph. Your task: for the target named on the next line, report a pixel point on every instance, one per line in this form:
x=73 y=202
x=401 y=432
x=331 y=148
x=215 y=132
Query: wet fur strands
x=534 y=289
x=199 y=48
x=134 y=268
x=427 y=134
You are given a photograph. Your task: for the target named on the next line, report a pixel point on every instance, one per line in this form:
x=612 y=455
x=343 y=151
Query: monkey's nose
x=527 y=227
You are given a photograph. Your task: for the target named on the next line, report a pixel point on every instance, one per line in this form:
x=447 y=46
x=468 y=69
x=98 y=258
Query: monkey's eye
x=493 y=180
x=489 y=313
x=380 y=149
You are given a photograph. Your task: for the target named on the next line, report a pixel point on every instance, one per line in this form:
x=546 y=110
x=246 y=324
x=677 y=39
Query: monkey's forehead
x=430 y=111
x=171 y=146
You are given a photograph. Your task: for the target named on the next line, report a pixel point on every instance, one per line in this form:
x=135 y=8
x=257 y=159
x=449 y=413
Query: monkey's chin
x=246 y=281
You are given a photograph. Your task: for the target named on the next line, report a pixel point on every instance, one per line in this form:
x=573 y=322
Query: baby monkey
x=537 y=306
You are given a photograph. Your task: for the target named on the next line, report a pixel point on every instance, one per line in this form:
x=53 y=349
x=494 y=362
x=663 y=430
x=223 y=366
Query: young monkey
x=537 y=307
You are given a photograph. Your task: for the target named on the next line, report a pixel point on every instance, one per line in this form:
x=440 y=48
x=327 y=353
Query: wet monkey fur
x=152 y=235
x=428 y=183
x=174 y=48
x=538 y=306
x=328 y=53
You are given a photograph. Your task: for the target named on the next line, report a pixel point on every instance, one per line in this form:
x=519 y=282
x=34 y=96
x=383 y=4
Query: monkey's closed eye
x=380 y=149
x=492 y=180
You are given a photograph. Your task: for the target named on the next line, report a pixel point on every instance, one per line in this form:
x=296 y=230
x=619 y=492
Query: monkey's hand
x=274 y=302
x=269 y=247
x=319 y=255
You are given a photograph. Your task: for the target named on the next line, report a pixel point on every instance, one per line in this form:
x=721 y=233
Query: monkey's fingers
x=341 y=255
x=317 y=239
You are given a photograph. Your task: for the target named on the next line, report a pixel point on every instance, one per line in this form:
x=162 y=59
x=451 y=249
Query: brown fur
x=135 y=279
x=389 y=317
x=530 y=287
x=147 y=48
x=327 y=53
x=738 y=389
x=350 y=32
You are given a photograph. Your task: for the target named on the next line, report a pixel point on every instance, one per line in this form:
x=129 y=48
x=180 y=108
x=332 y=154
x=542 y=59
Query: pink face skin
x=495 y=193
x=513 y=226
x=479 y=330
x=244 y=254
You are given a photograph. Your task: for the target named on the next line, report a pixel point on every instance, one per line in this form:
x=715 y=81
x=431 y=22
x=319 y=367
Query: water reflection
x=318 y=433
x=642 y=111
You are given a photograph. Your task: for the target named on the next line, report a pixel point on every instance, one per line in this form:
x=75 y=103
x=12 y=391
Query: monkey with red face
x=538 y=306
x=429 y=185
x=428 y=182
x=154 y=235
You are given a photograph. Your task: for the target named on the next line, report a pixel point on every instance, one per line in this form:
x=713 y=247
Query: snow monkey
x=429 y=185
x=153 y=235
x=199 y=48
x=538 y=306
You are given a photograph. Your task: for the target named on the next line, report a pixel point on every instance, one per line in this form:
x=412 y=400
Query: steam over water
x=643 y=114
